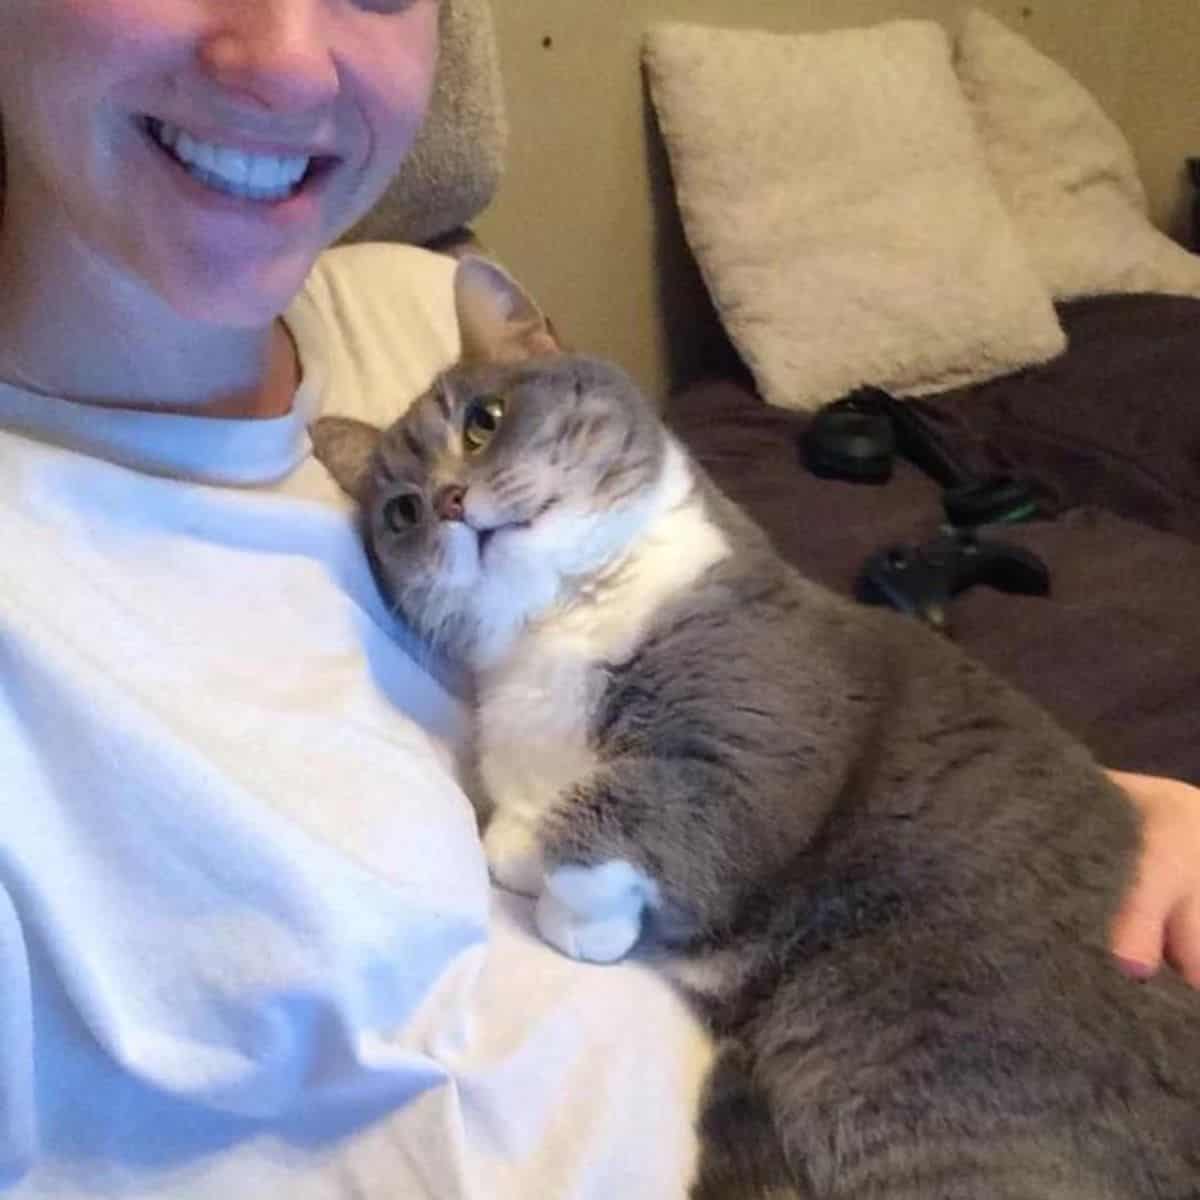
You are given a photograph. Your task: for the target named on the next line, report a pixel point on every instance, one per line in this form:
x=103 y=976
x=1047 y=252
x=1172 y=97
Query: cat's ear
x=344 y=447
x=497 y=320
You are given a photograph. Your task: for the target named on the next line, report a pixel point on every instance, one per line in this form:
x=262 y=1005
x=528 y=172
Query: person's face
x=210 y=149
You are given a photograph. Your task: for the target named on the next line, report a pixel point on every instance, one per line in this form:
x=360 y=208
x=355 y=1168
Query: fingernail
x=1136 y=970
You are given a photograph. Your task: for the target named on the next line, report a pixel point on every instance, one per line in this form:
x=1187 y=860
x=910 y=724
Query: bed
x=1111 y=435
x=514 y=1073
x=968 y=232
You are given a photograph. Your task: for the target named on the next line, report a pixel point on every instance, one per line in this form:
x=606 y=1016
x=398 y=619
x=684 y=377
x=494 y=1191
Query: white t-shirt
x=247 y=943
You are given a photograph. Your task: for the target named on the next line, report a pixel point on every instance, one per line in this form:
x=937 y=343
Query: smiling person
x=247 y=942
x=174 y=169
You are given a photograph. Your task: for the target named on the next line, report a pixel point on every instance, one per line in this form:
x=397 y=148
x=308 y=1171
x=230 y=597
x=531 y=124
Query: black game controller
x=921 y=580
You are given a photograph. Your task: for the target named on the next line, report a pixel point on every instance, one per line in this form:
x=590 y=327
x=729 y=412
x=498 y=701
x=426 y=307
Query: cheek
x=389 y=61
x=516 y=491
x=63 y=58
x=79 y=31
x=98 y=46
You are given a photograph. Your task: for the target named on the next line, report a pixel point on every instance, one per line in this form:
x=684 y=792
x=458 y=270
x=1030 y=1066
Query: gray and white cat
x=885 y=878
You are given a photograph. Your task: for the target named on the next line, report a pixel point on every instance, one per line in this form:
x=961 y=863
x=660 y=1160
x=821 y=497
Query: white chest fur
x=533 y=722
x=537 y=706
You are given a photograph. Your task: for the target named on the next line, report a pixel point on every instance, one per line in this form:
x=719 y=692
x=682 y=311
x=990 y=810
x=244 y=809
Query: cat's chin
x=472 y=558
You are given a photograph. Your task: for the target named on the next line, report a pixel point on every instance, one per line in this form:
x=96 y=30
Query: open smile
x=245 y=175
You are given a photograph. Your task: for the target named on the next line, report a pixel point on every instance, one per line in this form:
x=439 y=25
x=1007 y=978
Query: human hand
x=1160 y=916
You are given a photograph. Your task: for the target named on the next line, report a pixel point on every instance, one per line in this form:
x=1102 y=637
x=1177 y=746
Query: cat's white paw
x=594 y=913
x=514 y=857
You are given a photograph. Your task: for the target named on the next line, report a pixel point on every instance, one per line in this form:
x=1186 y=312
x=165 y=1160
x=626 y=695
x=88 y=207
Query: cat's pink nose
x=449 y=502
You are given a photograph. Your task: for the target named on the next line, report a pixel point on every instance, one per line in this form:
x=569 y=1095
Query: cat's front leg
x=514 y=853
x=558 y=834
x=591 y=913
x=649 y=844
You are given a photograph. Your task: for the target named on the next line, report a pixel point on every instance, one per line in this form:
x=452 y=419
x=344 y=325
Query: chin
x=241 y=284
x=245 y=299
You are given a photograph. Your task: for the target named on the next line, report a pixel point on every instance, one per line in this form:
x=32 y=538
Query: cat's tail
x=741 y=1157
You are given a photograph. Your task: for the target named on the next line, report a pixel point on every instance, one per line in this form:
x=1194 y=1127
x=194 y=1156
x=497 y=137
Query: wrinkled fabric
x=248 y=946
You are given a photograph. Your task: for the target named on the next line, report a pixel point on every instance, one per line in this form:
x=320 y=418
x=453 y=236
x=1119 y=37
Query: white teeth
x=251 y=176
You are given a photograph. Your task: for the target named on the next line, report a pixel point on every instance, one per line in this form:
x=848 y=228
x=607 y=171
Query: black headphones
x=858 y=437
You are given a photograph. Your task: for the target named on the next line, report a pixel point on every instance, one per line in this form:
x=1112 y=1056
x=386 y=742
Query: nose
x=449 y=503
x=274 y=53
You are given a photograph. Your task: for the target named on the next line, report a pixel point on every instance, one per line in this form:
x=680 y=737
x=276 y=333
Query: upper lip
x=249 y=144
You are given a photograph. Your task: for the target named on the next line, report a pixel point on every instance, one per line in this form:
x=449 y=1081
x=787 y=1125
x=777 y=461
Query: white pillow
x=1065 y=171
x=835 y=195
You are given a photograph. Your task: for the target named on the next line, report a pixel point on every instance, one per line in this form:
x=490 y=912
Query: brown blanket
x=1111 y=433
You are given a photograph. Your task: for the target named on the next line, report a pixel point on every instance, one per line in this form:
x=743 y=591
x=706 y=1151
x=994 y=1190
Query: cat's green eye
x=402 y=512
x=481 y=420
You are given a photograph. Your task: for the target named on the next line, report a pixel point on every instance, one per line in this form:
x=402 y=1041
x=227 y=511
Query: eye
x=402 y=512
x=481 y=420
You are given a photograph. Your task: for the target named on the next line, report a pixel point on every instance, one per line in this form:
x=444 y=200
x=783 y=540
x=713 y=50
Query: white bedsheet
x=247 y=943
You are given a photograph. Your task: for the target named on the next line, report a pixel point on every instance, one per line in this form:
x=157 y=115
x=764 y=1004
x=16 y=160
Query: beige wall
x=583 y=215
x=1161 y=103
